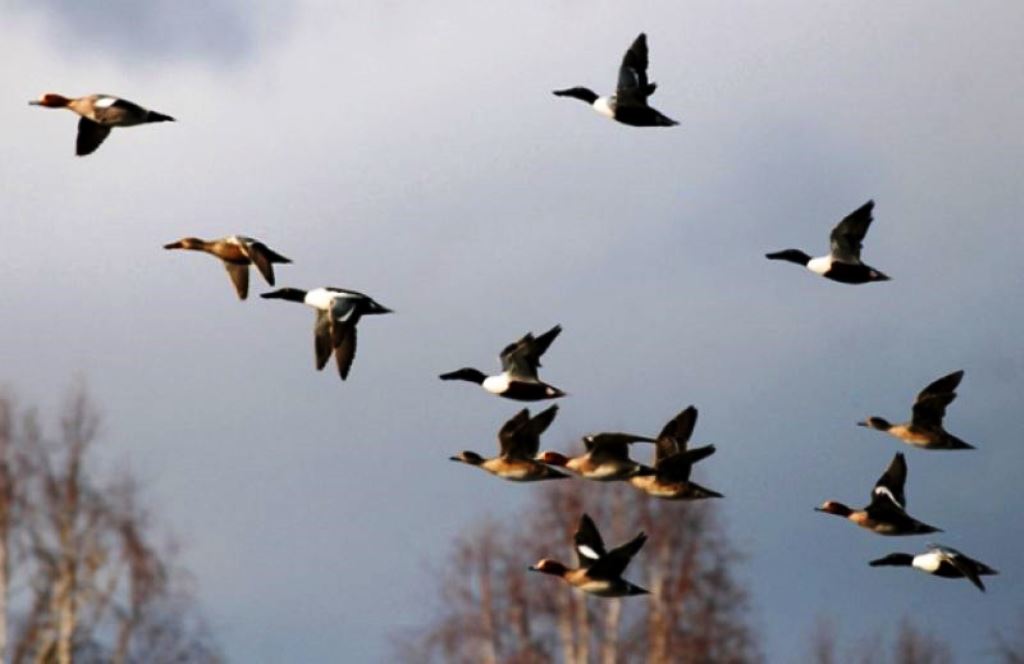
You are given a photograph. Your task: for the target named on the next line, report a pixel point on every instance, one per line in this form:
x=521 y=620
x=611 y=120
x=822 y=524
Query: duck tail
x=153 y=116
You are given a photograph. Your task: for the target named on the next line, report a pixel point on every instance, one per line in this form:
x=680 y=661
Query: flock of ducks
x=606 y=457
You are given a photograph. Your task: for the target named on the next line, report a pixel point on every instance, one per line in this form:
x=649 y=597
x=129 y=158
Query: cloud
x=218 y=30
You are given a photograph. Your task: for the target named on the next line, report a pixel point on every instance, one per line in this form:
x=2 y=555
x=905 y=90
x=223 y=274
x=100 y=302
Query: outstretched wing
x=588 y=542
x=931 y=403
x=522 y=358
x=961 y=563
x=239 y=277
x=848 y=235
x=678 y=466
x=675 y=435
x=608 y=446
x=510 y=435
x=90 y=136
x=632 y=87
x=614 y=564
x=257 y=253
x=889 y=487
x=322 y=342
x=345 y=348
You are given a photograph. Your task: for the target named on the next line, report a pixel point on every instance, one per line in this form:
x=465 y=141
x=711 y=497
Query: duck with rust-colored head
x=600 y=571
x=519 y=440
x=99 y=114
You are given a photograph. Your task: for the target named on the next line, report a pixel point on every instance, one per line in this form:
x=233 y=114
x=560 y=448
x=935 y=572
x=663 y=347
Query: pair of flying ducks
x=338 y=310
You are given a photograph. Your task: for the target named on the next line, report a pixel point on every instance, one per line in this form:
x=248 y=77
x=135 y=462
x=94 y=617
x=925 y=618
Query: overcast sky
x=416 y=153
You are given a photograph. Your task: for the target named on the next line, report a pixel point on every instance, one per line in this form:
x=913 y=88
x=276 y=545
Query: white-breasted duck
x=237 y=252
x=600 y=571
x=606 y=458
x=518 y=440
x=629 y=103
x=673 y=462
x=942 y=561
x=99 y=114
x=886 y=513
x=842 y=263
x=338 y=310
x=518 y=378
x=925 y=429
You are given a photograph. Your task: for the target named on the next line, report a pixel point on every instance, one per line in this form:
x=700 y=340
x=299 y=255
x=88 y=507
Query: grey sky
x=417 y=154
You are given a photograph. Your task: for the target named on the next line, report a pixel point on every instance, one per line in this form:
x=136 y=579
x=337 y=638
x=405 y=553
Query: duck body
x=925 y=429
x=606 y=458
x=237 y=252
x=518 y=439
x=629 y=103
x=338 y=312
x=100 y=113
x=842 y=263
x=518 y=379
x=886 y=513
x=673 y=462
x=941 y=561
x=600 y=571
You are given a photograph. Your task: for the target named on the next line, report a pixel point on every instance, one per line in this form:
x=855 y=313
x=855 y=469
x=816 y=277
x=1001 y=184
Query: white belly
x=820 y=265
x=603 y=106
x=496 y=384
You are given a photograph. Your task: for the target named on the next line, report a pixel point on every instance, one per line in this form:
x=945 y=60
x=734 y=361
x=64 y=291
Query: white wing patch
x=884 y=491
x=104 y=102
x=587 y=552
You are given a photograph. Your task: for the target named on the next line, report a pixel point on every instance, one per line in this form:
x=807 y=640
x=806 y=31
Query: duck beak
x=862 y=423
x=35 y=102
x=173 y=245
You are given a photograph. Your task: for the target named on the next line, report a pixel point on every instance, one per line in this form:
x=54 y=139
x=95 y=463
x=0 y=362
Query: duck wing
x=848 y=235
x=612 y=446
x=90 y=136
x=930 y=405
x=510 y=436
x=632 y=87
x=239 y=277
x=345 y=350
x=322 y=342
x=262 y=257
x=675 y=435
x=614 y=564
x=588 y=543
x=522 y=358
x=889 y=487
x=678 y=466
x=961 y=563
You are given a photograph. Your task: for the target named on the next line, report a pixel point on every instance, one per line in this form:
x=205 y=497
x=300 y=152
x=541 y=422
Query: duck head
x=51 y=100
x=186 y=243
x=583 y=94
x=553 y=459
x=791 y=255
x=548 y=566
x=466 y=456
x=290 y=294
x=876 y=423
x=894 y=559
x=833 y=507
x=472 y=375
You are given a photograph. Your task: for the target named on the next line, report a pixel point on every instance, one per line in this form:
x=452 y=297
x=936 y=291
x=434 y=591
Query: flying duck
x=519 y=440
x=519 y=363
x=337 y=312
x=940 y=561
x=237 y=252
x=924 y=429
x=673 y=462
x=100 y=113
x=606 y=458
x=886 y=513
x=629 y=103
x=600 y=571
x=842 y=264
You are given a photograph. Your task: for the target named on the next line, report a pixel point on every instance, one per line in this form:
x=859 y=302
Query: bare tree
x=910 y=645
x=493 y=610
x=100 y=587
